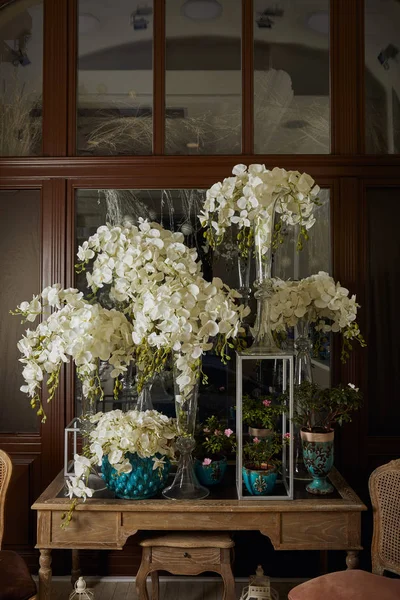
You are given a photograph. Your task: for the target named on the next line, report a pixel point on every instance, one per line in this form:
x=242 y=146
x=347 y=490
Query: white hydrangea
x=319 y=299
x=250 y=197
x=149 y=434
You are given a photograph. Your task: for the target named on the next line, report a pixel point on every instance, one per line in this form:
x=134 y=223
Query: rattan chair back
x=5 y=476
x=384 y=489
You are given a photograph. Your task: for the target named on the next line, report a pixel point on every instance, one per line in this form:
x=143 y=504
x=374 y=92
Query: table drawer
x=180 y=557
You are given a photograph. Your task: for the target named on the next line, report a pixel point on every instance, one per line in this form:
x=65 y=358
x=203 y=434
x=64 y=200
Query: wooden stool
x=186 y=554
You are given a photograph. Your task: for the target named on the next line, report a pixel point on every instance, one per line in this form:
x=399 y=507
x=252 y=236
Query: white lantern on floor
x=259 y=587
x=81 y=592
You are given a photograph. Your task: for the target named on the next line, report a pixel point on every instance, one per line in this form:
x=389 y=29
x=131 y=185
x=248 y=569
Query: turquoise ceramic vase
x=318 y=460
x=259 y=482
x=142 y=482
x=211 y=474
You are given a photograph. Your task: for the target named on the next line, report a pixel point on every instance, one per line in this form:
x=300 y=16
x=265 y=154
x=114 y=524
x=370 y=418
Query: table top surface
x=223 y=498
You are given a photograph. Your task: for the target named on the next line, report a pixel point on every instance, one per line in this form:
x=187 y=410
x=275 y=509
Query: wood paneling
x=55 y=81
x=159 y=77
x=247 y=77
x=53 y=261
x=347 y=77
x=180 y=171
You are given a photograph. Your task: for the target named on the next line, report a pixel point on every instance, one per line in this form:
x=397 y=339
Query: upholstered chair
x=384 y=488
x=16 y=582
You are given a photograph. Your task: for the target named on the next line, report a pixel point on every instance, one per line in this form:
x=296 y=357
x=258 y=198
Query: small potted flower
x=214 y=442
x=262 y=461
x=317 y=411
x=134 y=450
x=260 y=415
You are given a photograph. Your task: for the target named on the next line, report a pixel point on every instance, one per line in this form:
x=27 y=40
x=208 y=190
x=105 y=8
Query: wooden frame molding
x=247 y=78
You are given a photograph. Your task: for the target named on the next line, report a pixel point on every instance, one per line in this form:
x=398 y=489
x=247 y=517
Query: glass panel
x=21 y=76
x=203 y=77
x=115 y=77
x=291 y=77
x=382 y=294
x=177 y=210
x=315 y=257
x=20 y=232
x=382 y=76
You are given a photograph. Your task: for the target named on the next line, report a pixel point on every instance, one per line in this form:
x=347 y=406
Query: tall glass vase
x=144 y=401
x=264 y=342
x=244 y=289
x=302 y=373
x=186 y=485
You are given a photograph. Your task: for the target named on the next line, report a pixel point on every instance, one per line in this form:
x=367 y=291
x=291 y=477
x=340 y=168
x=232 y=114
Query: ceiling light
x=202 y=10
x=319 y=22
x=88 y=23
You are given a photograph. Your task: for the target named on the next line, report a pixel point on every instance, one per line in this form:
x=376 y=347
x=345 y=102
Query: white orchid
x=251 y=196
x=164 y=305
x=319 y=299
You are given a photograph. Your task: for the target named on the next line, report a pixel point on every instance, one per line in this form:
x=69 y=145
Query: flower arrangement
x=251 y=196
x=265 y=452
x=163 y=305
x=214 y=440
x=322 y=301
x=148 y=434
x=260 y=413
x=319 y=409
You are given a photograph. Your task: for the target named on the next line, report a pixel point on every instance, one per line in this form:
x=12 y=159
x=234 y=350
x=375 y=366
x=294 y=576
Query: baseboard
x=198 y=578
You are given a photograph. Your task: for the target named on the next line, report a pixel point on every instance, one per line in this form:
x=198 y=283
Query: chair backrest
x=5 y=476
x=384 y=489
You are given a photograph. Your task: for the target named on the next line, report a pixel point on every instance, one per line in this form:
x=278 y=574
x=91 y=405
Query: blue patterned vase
x=142 y=482
x=210 y=474
x=259 y=482
x=318 y=460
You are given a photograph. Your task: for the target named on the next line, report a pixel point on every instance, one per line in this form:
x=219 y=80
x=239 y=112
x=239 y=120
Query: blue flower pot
x=318 y=459
x=142 y=482
x=210 y=474
x=259 y=482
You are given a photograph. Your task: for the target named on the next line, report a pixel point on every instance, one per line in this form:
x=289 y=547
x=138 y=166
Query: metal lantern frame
x=71 y=431
x=287 y=425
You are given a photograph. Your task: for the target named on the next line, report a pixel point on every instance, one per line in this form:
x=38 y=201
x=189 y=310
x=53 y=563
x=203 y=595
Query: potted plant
x=262 y=460
x=317 y=412
x=134 y=451
x=260 y=415
x=213 y=443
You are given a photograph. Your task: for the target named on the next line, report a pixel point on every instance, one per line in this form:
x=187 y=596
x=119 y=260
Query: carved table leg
x=155 y=586
x=75 y=570
x=141 y=576
x=227 y=575
x=45 y=574
x=352 y=561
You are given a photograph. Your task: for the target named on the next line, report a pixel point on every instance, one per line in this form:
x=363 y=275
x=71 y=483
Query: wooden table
x=305 y=523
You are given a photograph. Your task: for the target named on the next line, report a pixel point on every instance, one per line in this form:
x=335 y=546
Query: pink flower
x=228 y=432
x=267 y=402
x=256 y=440
x=207 y=461
x=221 y=389
x=286 y=436
x=206 y=430
x=217 y=432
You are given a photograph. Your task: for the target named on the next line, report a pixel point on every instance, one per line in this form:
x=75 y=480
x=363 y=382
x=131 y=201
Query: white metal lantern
x=81 y=592
x=272 y=375
x=259 y=587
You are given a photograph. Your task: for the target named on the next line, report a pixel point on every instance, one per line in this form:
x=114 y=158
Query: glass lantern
x=264 y=427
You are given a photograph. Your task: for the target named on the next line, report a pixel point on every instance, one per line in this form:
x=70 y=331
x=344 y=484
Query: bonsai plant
x=213 y=443
x=260 y=415
x=262 y=460
x=317 y=412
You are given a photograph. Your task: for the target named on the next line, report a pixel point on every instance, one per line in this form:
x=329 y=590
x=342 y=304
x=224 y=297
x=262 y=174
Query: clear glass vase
x=244 y=289
x=303 y=372
x=264 y=342
x=185 y=485
x=144 y=400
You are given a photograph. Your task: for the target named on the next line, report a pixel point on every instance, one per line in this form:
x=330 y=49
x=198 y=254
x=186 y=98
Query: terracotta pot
x=260 y=433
